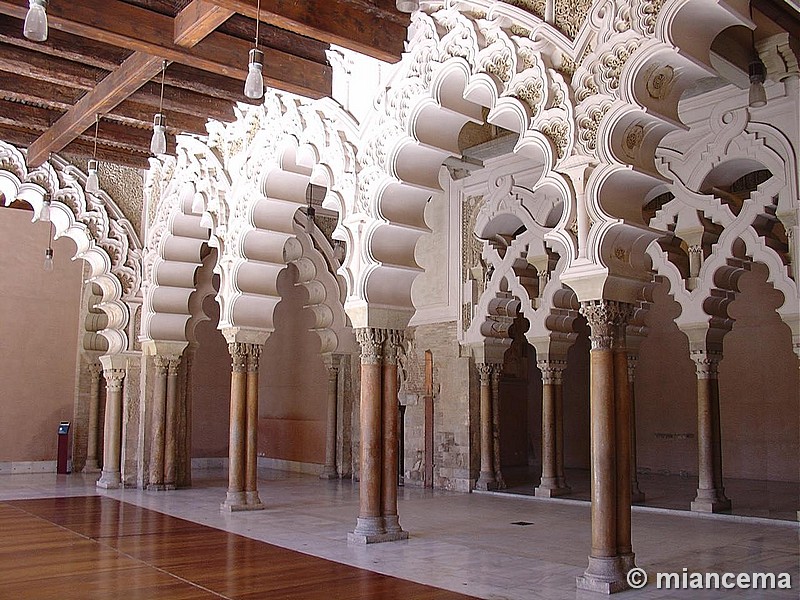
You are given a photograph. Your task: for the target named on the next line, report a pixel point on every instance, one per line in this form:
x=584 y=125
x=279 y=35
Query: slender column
x=236 y=499
x=251 y=425
x=110 y=477
x=370 y=524
x=637 y=495
x=622 y=429
x=91 y=465
x=171 y=424
x=498 y=474
x=607 y=570
x=390 y=444
x=551 y=483
x=158 y=418
x=486 y=481
x=329 y=472
x=560 y=477
x=710 y=492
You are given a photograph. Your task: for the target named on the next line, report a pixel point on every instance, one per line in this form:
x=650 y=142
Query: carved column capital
x=253 y=357
x=161 y=363
x=371 y=342
x=485 y=371
x=114 y=379
x=238 y=352
x=706 y=363
x=394 y=337
x=552 y=371
x=607 y=319
x=173 y=364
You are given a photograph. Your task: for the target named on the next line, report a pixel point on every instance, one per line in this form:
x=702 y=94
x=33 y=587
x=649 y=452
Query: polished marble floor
x=467 y=543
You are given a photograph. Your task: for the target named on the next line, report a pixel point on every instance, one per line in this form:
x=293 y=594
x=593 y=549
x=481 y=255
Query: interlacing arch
x=103 y=237
x=242 y=192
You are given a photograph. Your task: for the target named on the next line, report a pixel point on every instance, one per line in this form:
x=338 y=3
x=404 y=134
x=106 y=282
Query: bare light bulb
x=44 y=214
x=407 y=6
x=48 y=260
x=92 y=184
x=158 y=143
x=758 y=73
x=35 y=28
x=254 y=84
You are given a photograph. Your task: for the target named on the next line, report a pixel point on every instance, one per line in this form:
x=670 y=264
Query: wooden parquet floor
x=91 y=547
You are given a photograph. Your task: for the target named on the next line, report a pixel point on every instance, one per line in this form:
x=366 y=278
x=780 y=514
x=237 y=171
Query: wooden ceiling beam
x=125 y=25
x=195 y=22
x=359 y=26
x=18 y=60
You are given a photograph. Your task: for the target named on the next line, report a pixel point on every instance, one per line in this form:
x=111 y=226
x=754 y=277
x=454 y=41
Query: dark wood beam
x=195 y=22
x=359 y=26
x=118 y=23
x=18 y=60
x=130 y=76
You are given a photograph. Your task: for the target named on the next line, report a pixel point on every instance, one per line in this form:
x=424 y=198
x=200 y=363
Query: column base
x=711 y=501
x=253 y=501
x=500 y=483
x=486 y=482
x=637 y=495
x=376 y=538
x=234 y=502
x=329 y=473
x=605 y=575
x=392 y=524
x=109 y=480
x=91 y=466
x=551 y=492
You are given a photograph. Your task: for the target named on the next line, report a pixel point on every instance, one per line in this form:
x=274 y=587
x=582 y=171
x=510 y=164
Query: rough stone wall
x=453 y=431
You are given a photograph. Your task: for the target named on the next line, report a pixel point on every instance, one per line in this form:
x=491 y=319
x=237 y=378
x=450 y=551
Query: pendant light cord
x=258 y=18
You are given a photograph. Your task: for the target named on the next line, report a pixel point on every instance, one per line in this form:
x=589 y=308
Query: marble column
x=171 y=424
x=552 y=481
x=112 y=431
x=486 y=480
x=370 y=524
x=329 y=471
x=498 y=473
x=611 y=556
x=158 y=424
x=251 y=428
x=236 y=498
x=710 y=491
x=390 y=442
x=637 y=495
x=91 y=465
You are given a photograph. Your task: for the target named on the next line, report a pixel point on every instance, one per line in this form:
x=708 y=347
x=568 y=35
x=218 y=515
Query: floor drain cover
x=522 y=523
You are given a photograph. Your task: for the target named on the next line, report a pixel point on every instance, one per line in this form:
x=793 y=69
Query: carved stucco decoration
x=105 y=239
x=570 y=15
x=535 y=7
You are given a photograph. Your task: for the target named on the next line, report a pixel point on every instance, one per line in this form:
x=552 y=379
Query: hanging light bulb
x=407 y=6
x=48 y=260
x=158 y=143
x=758 y=73
x=92 y=184
x=254 y=84
x=35 y=28
x=44 y=214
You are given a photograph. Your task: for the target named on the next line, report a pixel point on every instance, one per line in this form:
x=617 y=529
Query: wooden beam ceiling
x=104 y=57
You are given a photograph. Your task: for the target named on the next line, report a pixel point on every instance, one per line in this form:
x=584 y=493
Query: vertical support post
x=110 y=476
x=236 y=499
x=370 y=523
x=498 y=473
x=710 y=491
x=171 y=424
x=637 y=495
x=158 y=424
x=389 y=412
x=486 y=480
x=610 y=460
x=329 y=471
x=91 y=465
x=552 y=482
x=251 y=428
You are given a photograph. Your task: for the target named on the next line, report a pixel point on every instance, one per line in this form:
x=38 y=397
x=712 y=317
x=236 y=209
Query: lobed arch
x=103 y=237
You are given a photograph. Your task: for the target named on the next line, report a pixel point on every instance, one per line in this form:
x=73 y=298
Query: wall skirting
x=19 y=467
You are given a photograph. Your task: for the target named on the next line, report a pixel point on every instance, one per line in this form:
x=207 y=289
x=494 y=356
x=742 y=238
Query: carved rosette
x=371 y=342
x=552 y=371
x=706 y=363
x=238 y=352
